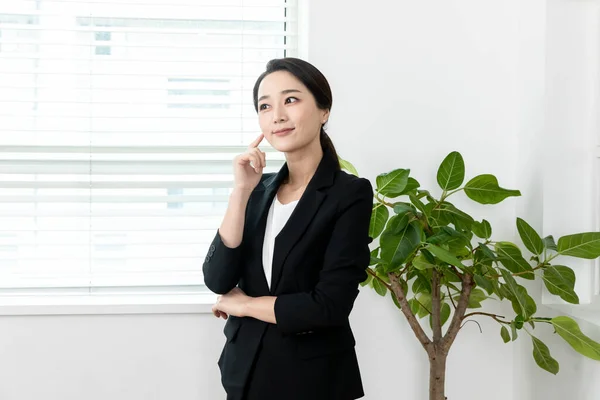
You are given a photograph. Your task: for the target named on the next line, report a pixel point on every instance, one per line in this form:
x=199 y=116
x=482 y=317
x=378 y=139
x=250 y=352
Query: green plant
x=437 y=262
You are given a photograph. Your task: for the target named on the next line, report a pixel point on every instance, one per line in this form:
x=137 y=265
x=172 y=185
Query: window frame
x=139 y=300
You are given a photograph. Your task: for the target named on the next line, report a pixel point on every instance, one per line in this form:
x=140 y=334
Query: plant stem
x=437 y=376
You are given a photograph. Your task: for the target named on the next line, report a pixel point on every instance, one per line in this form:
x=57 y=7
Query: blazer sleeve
x=222 y=266
x=344 y=268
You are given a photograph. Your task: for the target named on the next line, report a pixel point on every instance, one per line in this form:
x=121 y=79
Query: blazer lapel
x=302 y=215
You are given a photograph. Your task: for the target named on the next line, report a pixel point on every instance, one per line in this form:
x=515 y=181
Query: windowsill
x=107 y=304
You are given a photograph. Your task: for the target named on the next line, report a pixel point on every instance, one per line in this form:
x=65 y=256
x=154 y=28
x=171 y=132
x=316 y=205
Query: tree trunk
x=437 y=376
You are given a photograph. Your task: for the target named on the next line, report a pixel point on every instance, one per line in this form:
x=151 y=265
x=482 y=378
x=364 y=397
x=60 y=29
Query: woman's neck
x=302 y=165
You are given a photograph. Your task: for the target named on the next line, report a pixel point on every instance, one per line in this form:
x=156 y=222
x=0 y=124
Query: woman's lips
x=283 y=132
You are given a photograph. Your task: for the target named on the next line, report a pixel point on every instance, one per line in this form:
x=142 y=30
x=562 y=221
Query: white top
x=276 y=220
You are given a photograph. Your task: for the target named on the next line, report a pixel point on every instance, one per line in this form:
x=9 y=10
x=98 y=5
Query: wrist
x=239 y=193
x=247 y=307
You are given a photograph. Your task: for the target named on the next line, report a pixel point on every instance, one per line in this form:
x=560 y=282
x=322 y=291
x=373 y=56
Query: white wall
x=412 y=81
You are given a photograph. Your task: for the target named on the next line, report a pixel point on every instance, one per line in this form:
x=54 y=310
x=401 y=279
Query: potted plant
x=439 y=264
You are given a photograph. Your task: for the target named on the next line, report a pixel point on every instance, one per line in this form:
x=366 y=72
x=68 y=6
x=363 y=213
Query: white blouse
x=276 y=220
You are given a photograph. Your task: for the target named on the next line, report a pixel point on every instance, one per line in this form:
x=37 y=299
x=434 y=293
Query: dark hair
x=314 y=81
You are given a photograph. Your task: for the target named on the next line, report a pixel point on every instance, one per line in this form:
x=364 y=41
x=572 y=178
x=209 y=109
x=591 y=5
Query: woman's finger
x=256 y=141
x=261 y=156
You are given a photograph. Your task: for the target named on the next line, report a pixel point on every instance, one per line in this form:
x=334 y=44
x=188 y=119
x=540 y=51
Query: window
x=118 y=124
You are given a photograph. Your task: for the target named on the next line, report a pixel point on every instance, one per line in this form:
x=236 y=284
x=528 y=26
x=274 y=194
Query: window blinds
x=119 y=121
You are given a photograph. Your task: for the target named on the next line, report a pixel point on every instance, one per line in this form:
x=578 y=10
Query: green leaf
x=411 y=186
x=519 y=321
x=379 y=217
x=475 y=299
x=445 y=256
x=484 y=283
x=381 y=274
x=444 y=315
x=425 y=308
x=580 y=245
x=418 y=203
x=347 y=166
x=483 y=259
x=477 y=296
x=549 y=242
x=395 y=300
x=451 y=172
x=397 y=224
x=560 y=281
x=421 y=285
x=505 y=335
x=421 y=263
x=569 y=330
x=530 y=237
x=482 y=229
x=513 y=328
x=510 y=256
x=446 y=213
x=396 y=248
x=402 y=208
x=454 y=239
x=519 y=298
x=414 y=306
x=374 y=257
x=367 y=281
x=484 y=189
x=379 y=287
x=392 y=184
x=542 y=357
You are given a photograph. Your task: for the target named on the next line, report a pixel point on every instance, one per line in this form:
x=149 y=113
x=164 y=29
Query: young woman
x=291 y=251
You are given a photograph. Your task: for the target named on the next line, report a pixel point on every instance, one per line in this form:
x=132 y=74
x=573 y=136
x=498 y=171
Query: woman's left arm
x=344 y=267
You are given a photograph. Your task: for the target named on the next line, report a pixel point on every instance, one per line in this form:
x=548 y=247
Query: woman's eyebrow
x=282 y=92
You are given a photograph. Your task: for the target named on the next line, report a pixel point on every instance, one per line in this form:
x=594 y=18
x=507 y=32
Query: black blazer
x=320 y=257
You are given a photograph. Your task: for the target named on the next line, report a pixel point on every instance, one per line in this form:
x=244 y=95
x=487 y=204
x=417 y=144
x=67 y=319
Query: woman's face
x=287 y=112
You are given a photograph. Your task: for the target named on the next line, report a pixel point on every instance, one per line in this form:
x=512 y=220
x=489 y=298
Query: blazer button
x=207 y=259
x=212 y=248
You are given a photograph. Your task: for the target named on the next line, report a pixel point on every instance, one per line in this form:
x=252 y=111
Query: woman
x=291 y=251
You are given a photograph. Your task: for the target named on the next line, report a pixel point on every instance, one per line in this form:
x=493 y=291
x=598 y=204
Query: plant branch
x=472 y=320
x=390 y=205
x=494 y=316
x=451 y=299
x=384 y=283
x=540 y=266
x=436 y=307
x=456 y=271
x=410 y=317
x=461 y=307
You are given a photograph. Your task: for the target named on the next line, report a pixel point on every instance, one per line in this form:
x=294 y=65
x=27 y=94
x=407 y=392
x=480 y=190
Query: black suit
x=320 y=257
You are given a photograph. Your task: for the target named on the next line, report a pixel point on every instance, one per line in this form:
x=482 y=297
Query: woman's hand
x=248 y=166
x=233 y=303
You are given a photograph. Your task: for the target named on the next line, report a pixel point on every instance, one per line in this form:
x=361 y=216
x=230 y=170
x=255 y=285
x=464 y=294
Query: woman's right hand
x=248 y=166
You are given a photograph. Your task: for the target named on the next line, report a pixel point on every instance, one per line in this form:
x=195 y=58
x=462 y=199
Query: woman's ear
x=325 y=117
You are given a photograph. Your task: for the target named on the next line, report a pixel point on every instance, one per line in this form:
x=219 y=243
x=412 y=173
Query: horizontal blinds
x=119 y=121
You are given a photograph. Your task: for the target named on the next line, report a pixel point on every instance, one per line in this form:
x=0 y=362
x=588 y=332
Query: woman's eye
x=291 y=100
x=263 y=106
